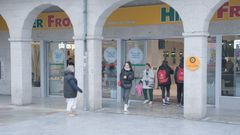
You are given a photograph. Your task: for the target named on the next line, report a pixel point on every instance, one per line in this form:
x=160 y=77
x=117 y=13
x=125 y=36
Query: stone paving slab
x=88 y=123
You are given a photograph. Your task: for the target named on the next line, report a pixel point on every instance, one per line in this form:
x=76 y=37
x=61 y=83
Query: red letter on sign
x=66 y=22
x=222 y=9
x=50 y=20
x=58 y=22
x=235 y=11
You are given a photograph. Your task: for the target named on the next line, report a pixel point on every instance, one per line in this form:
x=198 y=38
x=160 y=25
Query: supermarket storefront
x=128 y=29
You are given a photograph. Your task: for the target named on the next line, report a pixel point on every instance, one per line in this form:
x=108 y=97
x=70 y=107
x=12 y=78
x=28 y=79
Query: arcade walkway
x=47 y=117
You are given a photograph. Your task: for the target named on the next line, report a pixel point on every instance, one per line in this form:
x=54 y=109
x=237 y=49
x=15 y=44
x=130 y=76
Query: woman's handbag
x=119 y=83
x=139 y=89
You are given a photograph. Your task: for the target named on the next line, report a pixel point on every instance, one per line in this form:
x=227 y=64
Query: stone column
x=21 y=71
x=218 y=70
x=80 y=74
x=119 y=67
x=195 y=82
x=94 y=65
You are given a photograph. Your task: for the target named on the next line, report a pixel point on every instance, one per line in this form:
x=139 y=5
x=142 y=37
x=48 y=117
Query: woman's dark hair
x=165 y=62
x=129 y=63
x=148 y=64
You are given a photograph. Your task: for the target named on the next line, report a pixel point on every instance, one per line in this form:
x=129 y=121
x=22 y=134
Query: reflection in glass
x=36 y=64
x=230 y=67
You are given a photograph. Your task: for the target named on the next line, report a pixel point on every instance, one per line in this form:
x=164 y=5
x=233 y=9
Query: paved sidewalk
x=47 y=117
x=88 y=123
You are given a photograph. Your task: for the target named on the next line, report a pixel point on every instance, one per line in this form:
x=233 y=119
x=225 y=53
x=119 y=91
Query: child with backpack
x=179 y=80
x=164 y=80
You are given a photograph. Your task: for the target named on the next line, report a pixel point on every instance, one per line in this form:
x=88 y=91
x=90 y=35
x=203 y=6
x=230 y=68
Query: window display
x=36 y=64
x=230 y=66
x=109 y=69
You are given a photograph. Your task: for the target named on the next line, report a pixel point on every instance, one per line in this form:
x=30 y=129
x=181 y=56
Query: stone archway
x=5 y=73
x=21 y=42
x=94 y=48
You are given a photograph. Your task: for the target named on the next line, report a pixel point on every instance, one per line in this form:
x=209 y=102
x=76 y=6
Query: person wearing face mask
x=126 y=78
x=164 y=81
x=148 y=84
x=179 y=80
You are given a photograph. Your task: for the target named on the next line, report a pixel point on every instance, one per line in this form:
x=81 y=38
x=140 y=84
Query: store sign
x=3 y=24
x=52 y=21
x=228 y=11
x=46 y=21
x=110 y=54
x=193 y=63
x=132 y=16
x=135 y=55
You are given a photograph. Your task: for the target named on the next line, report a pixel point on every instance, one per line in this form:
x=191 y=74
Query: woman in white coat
x=148 y=84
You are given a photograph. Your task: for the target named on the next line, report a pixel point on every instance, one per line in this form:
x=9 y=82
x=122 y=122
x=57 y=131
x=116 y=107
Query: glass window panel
x=230 y=66
x=109 y=69
x=36 y=64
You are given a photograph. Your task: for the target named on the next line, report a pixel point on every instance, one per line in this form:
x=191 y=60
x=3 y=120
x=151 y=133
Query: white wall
x=53 y=35
x=225 y=27
x=168 y=31
x=144 y=32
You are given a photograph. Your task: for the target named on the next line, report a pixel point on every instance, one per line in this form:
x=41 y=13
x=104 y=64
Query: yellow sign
x=46 y=21
x=143 y=15
x=228 y=11
x=192 y=63
x=133 y=16
x=3 y=25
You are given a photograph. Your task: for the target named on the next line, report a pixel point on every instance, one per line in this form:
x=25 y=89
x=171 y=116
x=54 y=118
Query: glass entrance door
x=60 y=54
x=56 y=66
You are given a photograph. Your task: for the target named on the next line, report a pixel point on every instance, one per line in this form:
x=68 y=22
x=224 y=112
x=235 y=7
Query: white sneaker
x=125 y=107
x=146 y=101
x=167 y=100
x=163 y=102
x=150 y=103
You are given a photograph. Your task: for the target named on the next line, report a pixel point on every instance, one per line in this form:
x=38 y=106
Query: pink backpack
x=139 y=89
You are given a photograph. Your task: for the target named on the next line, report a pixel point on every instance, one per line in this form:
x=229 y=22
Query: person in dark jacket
x=179 y=80
x=126 y=78
x=165 y=82
x=70 y=90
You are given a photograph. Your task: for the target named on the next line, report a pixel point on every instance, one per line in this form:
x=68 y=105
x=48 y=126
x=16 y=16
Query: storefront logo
x=228 y=10
x=110 y=54
x=52 y=20
x=135 y=55
x=58 y=56
x=170 y=15
x=192 y=63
